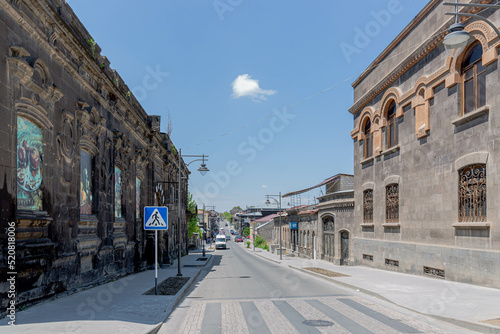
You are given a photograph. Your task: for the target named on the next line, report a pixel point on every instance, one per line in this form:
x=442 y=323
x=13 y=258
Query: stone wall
x=435 y=140
x=79 y=158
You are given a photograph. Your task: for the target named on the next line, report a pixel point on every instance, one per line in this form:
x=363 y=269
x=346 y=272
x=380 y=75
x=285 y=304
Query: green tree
x=261 y=243
x=193 y=217
x=246 y=231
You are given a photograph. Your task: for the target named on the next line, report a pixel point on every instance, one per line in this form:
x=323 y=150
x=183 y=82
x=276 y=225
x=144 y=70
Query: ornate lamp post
x=203 y=170
x=279 y=208
x=456 y=41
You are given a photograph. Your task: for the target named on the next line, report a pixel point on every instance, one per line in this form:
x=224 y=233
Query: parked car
x=238 y=238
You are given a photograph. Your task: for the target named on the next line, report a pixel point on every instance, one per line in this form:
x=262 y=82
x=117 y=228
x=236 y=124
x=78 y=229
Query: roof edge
x=409 y=27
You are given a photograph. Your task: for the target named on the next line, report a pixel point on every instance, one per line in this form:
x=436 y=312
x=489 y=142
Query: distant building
x=322 y=230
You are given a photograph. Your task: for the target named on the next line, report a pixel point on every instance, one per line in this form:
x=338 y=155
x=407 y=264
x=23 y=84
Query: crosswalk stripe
x=212 y=319
x=288 y=316
x=361 y=319
x=295 y=317
x=253 y=318
x=274 y=319
x=344 y=321
x=409 y=320
x=312 y=313
x=399 y=326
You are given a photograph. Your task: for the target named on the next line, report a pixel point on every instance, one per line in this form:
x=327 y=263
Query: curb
x=201 y=264
x=268 y=259
x=456 y=322
x=178 y=297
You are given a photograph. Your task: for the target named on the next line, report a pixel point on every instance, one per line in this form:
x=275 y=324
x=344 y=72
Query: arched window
x=368 y=206
x=392 y=129
x=472 y=194
x=368 y=139
x=392 y=203
x=474 y=79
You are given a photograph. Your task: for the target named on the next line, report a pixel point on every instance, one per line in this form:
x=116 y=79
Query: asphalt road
x=243 y=293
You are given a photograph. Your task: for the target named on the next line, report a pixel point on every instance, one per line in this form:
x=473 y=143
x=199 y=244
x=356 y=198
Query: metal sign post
x=156 y=218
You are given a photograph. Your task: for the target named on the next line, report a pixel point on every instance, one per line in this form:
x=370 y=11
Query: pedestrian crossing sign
x=155 y=218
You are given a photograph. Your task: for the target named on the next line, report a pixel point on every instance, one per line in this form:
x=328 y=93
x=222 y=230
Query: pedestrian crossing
x=315 y=315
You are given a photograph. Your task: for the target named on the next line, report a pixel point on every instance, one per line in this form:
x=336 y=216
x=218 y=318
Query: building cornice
x=430 y=5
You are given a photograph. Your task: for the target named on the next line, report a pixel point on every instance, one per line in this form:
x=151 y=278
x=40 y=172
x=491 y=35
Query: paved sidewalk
x=462 y=304
x=115 y=307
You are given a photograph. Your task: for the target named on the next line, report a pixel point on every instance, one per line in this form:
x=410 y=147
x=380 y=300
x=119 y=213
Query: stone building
x=322 y=230
x=79 y=159
x=336 y=220
x=265 y=227
x=425 y=153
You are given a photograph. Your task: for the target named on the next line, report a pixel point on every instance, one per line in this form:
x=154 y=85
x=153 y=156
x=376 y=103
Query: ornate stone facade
x=425 y=202
x=79 y=158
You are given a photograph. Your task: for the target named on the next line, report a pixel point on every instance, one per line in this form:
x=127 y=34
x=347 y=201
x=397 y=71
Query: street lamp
x=456 y=41
x=279 y=208
x=203 y=170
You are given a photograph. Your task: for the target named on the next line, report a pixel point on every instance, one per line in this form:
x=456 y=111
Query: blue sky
x=243 y=82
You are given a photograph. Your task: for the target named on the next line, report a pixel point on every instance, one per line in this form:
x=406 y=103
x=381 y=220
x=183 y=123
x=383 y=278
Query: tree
x=193 y=217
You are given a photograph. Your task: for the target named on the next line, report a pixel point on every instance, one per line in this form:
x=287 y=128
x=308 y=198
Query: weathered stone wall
x=59 y=98
x=267 y=232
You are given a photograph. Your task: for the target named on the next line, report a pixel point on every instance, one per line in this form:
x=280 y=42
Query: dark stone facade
x=79 y=159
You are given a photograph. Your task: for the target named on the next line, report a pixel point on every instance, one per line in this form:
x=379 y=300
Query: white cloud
x=244 y=85
x=264 y=186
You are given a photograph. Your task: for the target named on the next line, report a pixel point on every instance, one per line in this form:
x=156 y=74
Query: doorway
x=344 y=252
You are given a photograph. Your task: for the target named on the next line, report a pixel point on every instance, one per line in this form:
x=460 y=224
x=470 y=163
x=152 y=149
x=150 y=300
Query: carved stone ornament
x=66 y=139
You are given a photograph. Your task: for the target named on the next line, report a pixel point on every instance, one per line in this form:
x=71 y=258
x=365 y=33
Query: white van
x=220 y=241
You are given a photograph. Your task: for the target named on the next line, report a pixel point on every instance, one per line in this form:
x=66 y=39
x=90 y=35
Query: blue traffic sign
x=293 y=225
x=155 y=218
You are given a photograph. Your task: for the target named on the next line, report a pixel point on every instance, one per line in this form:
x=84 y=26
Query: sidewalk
x=115 y=307
x=462 y=304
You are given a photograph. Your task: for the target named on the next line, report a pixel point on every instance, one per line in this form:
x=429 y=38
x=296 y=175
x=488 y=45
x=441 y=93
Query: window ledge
x=471 y=115
x=391 y=225
x=367 y=225
x=391 y=150
x=471 y=226
x=367 y=160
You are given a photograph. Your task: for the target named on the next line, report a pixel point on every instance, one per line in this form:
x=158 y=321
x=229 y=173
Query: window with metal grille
x=474 y=79
x=472 y=194
x=392 y=203
x=368 y=206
